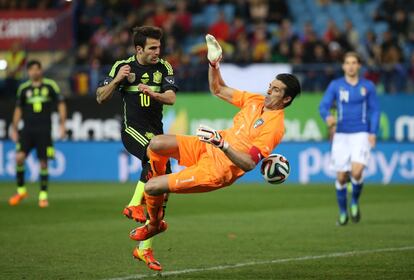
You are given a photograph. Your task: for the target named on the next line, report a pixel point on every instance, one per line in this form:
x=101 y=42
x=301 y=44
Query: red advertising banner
x=37 y=30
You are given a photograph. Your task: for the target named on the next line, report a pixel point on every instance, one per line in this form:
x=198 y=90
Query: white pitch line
x=222 y=267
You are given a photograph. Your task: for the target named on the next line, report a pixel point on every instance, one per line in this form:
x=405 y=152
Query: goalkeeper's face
x=151 y=52
x=276 y=98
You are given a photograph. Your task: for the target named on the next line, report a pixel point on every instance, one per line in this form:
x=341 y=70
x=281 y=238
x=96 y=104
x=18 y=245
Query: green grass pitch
x=240 y=232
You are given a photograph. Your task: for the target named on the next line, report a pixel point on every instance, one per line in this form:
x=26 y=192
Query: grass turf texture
x=82 y=235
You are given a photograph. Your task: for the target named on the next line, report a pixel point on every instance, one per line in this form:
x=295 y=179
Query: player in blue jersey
x=355 y=129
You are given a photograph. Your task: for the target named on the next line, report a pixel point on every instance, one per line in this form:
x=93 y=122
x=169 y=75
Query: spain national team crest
x=258 y=123
x=363 y=91
x=157 y=77
x=145 y=78
x=44 y=91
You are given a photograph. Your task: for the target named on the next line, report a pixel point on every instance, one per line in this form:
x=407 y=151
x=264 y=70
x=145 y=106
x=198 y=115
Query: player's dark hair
x=292 y=85
x=141 y=33
x=32 y=63
x=352 y=54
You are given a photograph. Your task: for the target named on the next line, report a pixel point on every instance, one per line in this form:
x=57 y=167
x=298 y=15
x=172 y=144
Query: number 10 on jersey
x=145 y=100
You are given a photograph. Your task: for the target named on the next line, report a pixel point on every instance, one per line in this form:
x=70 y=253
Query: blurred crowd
x=253 y=31
x=31 y=4
x=250 y=31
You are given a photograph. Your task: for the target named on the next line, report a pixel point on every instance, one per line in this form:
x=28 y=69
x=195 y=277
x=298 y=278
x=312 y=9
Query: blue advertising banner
x=108 y=161
x=88 y=121
x=310 y=163
x=397 y=118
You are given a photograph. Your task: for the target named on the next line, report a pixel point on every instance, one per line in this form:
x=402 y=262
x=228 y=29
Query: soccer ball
x=275 y=169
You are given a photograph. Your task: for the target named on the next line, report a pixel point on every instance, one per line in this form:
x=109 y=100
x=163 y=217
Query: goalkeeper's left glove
x=214 y=52
x=211 y=136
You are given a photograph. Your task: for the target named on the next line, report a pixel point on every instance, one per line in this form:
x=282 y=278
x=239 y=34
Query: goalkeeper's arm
x=216 y=83
x=244 y=161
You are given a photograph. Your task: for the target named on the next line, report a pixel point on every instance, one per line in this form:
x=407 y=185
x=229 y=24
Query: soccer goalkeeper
x=215 y=159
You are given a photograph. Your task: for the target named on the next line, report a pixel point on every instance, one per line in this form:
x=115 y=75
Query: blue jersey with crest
x=357 y=106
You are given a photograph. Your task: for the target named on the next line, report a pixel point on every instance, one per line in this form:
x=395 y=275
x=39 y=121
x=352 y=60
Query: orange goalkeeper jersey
x=251 y=127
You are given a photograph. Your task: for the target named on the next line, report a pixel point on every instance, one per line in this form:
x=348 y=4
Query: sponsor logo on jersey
x=343 y=95
x=258 y=123
x=145 y=78
x=157 y=77
x=363 y=91
x=131 y=77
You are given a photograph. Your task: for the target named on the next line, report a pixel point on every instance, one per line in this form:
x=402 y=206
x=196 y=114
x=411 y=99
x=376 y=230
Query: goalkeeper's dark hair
x=292 y=85
x=33 y=62
x=141 y=33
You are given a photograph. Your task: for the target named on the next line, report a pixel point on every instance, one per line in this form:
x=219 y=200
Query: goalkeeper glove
x=211 y=136
x=214 y=52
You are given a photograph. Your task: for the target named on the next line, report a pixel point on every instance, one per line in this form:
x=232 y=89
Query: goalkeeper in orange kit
x=215 y=159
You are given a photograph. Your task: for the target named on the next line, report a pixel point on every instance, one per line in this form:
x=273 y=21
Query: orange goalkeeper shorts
x=204 y=170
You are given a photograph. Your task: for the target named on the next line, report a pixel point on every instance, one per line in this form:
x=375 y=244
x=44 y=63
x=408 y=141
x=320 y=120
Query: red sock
x=158 y=162
x=154 y=207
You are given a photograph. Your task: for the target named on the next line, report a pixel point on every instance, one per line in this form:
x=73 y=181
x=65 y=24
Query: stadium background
x=77 y=41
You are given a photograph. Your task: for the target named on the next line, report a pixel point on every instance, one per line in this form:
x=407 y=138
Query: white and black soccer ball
x=275 y=169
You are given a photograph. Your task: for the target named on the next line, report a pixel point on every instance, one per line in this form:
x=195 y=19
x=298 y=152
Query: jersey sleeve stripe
x=22 y=86
x=168 y=66
x=53 y=84
x=113 y=69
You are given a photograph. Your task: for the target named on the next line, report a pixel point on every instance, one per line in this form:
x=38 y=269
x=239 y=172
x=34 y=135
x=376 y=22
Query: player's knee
x=43 y=164
x=342 y=178
x=152 y=187
x=20 y=157
x=356 y=176
x=356 y=173
x=156 y=143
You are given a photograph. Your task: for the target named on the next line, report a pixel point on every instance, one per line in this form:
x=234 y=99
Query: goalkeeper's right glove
x=214 y=52
x=211 y=136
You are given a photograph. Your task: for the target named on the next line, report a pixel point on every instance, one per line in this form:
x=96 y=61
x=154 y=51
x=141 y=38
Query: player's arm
x=167 y=97
x=216 y=83
x=218 y=86
x=110 y=85
x=242 y=160
x=245 y=161
x=374 y=109
x=61 y=107
x=326 y=104
x=167 y=94
x=62 y=118
x=17 y=116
